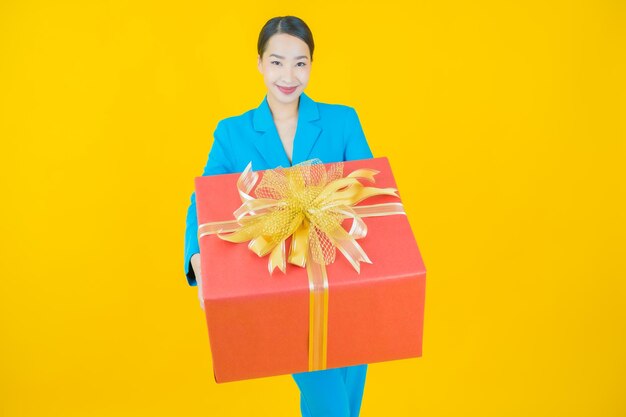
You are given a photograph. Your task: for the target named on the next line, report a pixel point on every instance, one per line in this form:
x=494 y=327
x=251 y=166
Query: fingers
x=200 y=298
x=198 y=273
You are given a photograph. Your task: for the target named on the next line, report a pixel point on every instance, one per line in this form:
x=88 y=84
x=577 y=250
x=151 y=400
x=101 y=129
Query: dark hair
x=290 y=25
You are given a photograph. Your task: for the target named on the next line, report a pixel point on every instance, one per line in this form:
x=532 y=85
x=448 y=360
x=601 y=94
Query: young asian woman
x=288 y=127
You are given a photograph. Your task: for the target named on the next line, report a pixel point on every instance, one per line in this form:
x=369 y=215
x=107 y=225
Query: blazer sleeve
x=219 y=162
x=356 y=146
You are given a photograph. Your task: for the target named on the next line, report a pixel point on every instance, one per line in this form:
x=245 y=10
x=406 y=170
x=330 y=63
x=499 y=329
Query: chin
x=287 y=99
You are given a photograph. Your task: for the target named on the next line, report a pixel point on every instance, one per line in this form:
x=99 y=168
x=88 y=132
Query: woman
x=288 y=127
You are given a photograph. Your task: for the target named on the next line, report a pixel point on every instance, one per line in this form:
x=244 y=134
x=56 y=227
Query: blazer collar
x=269 y=143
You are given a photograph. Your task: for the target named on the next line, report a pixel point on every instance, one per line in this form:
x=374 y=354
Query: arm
x=356 y=146
x=219 y=162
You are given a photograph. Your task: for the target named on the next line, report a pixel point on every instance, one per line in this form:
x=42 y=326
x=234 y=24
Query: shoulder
x=237 y=125
x=337 y=116
x=335 y=110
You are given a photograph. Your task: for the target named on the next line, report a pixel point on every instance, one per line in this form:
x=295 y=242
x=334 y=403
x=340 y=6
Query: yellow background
x=505 y=124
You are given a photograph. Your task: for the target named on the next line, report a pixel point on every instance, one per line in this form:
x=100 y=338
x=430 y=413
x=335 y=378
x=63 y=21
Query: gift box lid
x=389 y=243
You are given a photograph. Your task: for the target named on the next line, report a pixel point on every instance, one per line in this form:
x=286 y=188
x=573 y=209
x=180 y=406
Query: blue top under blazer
x=330 y=132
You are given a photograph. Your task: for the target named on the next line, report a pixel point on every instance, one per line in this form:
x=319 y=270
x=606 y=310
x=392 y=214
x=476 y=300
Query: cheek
x=271 y=74
x=304 y=75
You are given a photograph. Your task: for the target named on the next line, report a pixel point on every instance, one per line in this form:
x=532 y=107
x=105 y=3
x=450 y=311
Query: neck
x=282 y=111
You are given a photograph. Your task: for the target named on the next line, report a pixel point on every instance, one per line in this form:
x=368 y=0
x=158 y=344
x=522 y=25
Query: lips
x=287 y=90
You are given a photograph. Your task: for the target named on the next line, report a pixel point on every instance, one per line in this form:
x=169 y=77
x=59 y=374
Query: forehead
x=287 y=45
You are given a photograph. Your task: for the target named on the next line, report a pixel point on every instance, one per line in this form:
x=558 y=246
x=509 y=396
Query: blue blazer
x=330 y=132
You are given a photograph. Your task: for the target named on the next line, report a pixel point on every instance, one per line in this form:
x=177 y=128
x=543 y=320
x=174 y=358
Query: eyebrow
x=298 y=57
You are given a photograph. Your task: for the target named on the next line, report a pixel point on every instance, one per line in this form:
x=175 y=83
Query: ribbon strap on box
x=308 y=203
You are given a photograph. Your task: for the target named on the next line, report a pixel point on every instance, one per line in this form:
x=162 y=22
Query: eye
x=277 y=62
x=303 y=64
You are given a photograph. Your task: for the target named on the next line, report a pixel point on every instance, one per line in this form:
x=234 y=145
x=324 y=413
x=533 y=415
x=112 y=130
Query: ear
x=259 y=64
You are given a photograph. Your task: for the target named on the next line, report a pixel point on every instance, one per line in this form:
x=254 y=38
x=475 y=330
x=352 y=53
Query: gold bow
x=308 y=203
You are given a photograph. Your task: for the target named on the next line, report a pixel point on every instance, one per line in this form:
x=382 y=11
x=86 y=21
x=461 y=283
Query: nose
x=288 y=74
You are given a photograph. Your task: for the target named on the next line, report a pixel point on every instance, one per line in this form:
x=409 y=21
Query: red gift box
x=259 y=324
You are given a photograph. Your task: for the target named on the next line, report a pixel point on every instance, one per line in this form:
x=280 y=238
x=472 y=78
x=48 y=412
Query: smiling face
x=286 y=67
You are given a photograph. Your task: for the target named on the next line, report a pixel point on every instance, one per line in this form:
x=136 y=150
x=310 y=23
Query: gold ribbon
x=308 y=203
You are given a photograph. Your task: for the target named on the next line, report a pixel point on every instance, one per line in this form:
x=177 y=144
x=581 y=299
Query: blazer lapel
x=269 y=144
x=307 y=131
